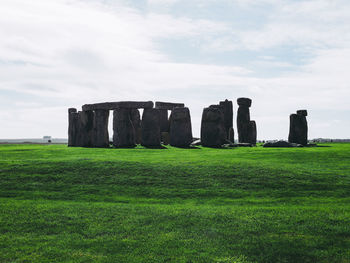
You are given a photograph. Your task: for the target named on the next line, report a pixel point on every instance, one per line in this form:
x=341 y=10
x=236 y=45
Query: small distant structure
x=47 y=138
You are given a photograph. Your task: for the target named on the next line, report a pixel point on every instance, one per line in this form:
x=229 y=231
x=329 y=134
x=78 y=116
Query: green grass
x=60 y=204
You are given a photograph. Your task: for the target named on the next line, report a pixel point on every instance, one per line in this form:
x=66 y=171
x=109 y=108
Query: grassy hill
x=174 y=205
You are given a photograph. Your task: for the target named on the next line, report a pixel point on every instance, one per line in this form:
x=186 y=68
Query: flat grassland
x=60 y=204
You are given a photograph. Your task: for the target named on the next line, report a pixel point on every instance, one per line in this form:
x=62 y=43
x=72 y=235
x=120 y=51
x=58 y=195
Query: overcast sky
x=284 y=54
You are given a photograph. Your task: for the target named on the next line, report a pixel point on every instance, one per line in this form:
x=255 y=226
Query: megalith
x=228 y=115
x=101 y=136
x=298 y=129
x=150 y=128
x=85 y=128
x=180 y=127
x=123 y=129
x=164 y=121
x=213 y=132
x=136 y=122
x=246 y=128
x=72 y=126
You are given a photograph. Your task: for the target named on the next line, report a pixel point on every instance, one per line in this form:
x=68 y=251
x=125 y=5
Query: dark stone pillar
x=252 y=132
x=246 y=128
x=85 y=128
x=164 y=122
x=150 y=128
x=231 y=135
x=213 y=132
x=72 y=126
x=136 y=122
x=228 y=115
x=124 y=133
x=180 y=127
x=101 y=136
x=298 y=129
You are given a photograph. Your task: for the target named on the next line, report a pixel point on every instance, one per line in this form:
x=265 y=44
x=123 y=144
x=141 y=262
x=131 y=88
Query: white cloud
x=66 y=53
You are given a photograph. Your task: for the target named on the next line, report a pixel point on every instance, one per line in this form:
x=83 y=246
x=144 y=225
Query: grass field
x=60 y=204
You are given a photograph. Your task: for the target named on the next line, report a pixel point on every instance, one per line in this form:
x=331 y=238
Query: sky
x=285 y=55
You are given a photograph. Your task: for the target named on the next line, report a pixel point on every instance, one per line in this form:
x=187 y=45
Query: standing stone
x=228 y=115
x=298 y=129
x=180 y=127
x=101 y=136
x=245 y=127
x=231 y=135
x=85 y=128
x=72 y=126
x=123 y=129
x=136 y=122
x=213 y=132
x=150 y=128
x=252 y=132
x=164 y=122
x=165 y=138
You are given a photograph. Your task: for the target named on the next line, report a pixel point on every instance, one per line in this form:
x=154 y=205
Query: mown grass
x=60 y=204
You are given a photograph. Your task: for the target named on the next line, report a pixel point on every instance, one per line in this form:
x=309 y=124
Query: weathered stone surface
x=281 y=144
x=243 y=124
x=101 y=136
x=85 y=128
x=168 y=105
x=298 y=129
x=302 y=112
x=136 y=122
x=246 y=128
x=252 y=132
x=213 y=132
x=150 y=126
x=165 y=138
x=228 y=115
x=164 y=122
x=123 y=129
x=231 y=135
x=180 y=127
x=72 y=126
x=117 y=105
x=244 y=102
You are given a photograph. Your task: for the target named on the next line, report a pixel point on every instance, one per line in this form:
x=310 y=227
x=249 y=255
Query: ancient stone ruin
x=180 y=127
x=89 y=127
x=245 y=127
x=298 y=128
x=217 y=124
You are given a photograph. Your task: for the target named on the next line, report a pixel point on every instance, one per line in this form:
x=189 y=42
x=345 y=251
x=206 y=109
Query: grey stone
x=164 y=122
x=72 y=126
x=136 y=122
x=231 y=135
x=298 y=129
x=213 y=132
x=150 y=126
x=180 y=127
x=85 y=128
x=281 y=144
x=246 y=102
x=252 y=132
x=302 y=112
x=168 y=105
x=165 y=138
x=228 y=115
x=246 y=128
x=101 y=136
x=196 y=143
x=123 y=129
x=117 y=105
